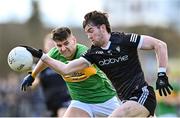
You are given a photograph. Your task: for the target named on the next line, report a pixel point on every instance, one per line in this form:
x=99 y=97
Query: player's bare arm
x=38 y=68
x=60 y=67
x=159 y=47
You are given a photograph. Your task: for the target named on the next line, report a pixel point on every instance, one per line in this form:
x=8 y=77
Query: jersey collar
x=107 y=46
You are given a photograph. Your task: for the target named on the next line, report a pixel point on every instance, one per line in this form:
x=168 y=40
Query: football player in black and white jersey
x=116 y=54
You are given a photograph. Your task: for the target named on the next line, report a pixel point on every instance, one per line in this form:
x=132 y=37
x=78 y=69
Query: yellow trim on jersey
x=80 y=75
x=33 y=75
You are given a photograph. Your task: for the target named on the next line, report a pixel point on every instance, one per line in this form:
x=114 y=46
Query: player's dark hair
x=97 y=18
x=60 y=34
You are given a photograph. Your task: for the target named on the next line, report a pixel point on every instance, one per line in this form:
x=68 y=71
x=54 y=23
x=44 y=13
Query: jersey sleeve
x=132 y=40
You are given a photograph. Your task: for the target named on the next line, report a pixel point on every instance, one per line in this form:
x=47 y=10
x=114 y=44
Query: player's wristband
x=33 y=75
x=161 y=69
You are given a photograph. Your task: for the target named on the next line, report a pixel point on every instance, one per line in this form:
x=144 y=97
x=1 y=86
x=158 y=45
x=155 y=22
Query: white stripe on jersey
x=144 y=95
x=140 y=42
x=133 y=38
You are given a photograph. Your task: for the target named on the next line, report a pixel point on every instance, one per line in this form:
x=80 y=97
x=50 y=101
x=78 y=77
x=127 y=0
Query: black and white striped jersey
x=119 y=60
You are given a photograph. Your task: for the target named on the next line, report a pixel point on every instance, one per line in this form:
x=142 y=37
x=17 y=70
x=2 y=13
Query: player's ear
x=103 y=28
x=74 y=39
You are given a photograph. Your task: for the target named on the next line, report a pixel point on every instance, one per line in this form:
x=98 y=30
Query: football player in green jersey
x=91 y=92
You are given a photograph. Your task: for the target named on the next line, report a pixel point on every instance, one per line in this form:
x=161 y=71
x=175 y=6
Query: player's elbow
x=161 y=45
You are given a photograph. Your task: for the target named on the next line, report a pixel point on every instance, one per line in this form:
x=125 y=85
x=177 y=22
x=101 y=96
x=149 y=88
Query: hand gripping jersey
x=89 y=85
x=119 y=60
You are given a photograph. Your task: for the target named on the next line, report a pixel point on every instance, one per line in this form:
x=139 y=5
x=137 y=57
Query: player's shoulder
x=118 y=33
x=117 y=37
x=81 y=50
x=53 y=51
x=121 y=34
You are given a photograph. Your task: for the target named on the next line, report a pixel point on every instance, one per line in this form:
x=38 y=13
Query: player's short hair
x=97 y=18
x=60 y=34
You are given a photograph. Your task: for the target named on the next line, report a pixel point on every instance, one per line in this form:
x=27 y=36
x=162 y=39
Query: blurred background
x=28 y=21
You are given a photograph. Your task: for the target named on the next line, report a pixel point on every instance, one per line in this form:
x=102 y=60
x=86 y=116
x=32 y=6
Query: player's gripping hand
x=27 y=81
x=162 y=84
x=35 y=52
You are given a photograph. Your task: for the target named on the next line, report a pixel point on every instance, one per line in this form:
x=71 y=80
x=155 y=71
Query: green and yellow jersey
x=90 y=85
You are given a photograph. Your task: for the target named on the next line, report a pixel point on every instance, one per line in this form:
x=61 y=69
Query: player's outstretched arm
x=160 y=48
x=60 y=67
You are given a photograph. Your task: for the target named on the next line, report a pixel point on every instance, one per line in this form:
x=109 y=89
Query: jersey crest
x=118 y=48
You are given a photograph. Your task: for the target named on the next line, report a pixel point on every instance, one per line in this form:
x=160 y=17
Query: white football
x=20 y=60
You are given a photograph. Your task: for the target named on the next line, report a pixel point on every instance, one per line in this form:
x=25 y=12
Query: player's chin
x=66 y=55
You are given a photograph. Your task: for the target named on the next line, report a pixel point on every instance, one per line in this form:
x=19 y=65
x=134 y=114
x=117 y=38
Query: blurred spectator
x=54 y=88
x=14 y=103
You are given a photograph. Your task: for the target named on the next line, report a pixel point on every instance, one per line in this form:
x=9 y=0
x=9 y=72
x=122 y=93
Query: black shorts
x=146 y=97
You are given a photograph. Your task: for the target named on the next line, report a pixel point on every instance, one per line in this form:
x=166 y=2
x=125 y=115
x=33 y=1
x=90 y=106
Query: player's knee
x=125 y=111
x=130 y=110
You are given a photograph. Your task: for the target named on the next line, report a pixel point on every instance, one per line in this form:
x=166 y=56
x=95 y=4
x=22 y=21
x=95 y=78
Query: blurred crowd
x=15 y=103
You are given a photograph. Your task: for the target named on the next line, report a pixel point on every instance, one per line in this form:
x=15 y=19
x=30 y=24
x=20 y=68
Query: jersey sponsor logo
x=133 y=38
x=99 y=52
x=113 y=60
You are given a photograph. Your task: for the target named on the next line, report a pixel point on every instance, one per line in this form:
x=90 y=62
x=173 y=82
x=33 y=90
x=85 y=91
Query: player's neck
x=106 y=40
x=73 y=55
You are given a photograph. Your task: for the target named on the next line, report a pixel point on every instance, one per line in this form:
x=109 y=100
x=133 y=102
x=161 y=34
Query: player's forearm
x=58 y=66
x=62 y=68
x=160 y=47
x=38 y=68
x=161 y=54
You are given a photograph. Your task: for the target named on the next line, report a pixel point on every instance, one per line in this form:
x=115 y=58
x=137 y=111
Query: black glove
x=35 y=52
x=27 y=81
x=162 y=84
